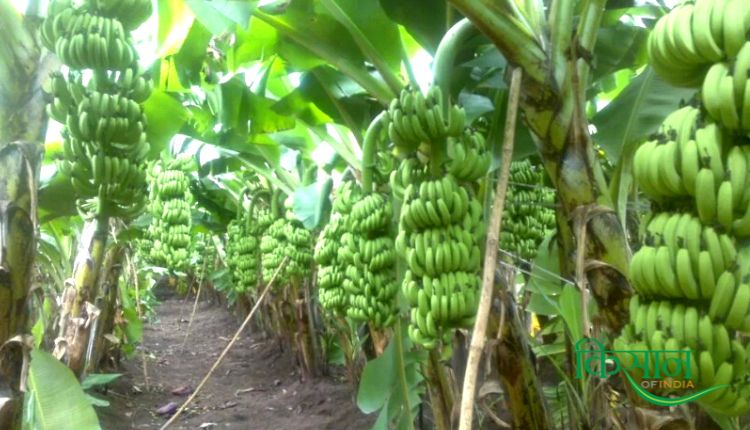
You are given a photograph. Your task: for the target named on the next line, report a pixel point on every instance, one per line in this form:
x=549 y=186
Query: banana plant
x=553 y=46
x=22 y=128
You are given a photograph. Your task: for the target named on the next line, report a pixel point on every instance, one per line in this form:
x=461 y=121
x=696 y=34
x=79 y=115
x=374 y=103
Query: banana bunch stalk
x=333 y=257
x=372 y=295
x=692 y=274
x=170 y=202
x=528 y=216
x=105 y=141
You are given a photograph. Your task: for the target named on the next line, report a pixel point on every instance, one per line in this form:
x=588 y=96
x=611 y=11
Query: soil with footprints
x=256 y=387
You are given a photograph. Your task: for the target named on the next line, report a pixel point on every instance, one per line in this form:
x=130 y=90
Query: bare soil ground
x=256 y=387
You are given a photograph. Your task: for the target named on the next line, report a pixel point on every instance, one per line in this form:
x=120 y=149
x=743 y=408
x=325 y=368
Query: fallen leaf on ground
x=167 y=409
x=182 y=390
x=228 y=404
x=247 y=390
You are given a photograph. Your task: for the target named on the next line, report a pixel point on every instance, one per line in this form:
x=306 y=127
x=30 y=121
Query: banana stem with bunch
x=556 y=78
x=549 y=106
x=265 y=319
x=105 y=144
x=369 y=151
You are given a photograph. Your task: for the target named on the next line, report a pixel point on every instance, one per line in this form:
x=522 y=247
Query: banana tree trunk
x=555 y=78
x=523 y=389
x=554 y=56
x=22 y=130
x=107 y=302
x=18 y=172
x=79 y=313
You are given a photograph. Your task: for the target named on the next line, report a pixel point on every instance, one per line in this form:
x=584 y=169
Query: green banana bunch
x=692 y=156
x=337 y=273
x=272 y=248
x=330 y=273
x=105 y=143
x=170 y=202
x=82 y=39
x=203 y=252
x=299 y=248
x=414 y=118
x=692 y=274
x=682 y=258
x=286 y=237
x=409 y=170
x=528 y=216
x=694 y=35
x=725 y=93
x=299 y=245
x=243 y=255
x=439 y=229
x=372 y=286
x=468 y=158
x=666 y=166
x=716 y=356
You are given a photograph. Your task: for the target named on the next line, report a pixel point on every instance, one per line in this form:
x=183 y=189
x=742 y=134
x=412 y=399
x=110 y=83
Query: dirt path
x=256 y=387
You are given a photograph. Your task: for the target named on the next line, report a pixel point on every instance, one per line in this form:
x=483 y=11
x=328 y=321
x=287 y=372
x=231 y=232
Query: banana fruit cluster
x=691 y=37
x=717 y=357
x=334 y=256
x=440 y=221
x=439 y=230
x=170 y=202
x=243 y=255
x=683 y=258
x=105 y=144
x=286 y=237
x=203 y=253
x=692 y=274
x=703 y=43
x=692 y=156
x=371 y=285
x=414 y=118
x=468 y=158
x=84 y=38
x=528 y=216
x=725 y=92
x=299 y=247
x=330 y=273
x=410 y=170
x=272 y=248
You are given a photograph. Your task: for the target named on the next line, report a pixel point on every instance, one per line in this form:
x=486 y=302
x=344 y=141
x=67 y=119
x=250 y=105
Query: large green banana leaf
x=56 y=400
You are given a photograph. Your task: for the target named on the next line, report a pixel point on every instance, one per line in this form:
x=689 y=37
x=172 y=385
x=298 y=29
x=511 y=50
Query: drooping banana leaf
x=57 y=399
